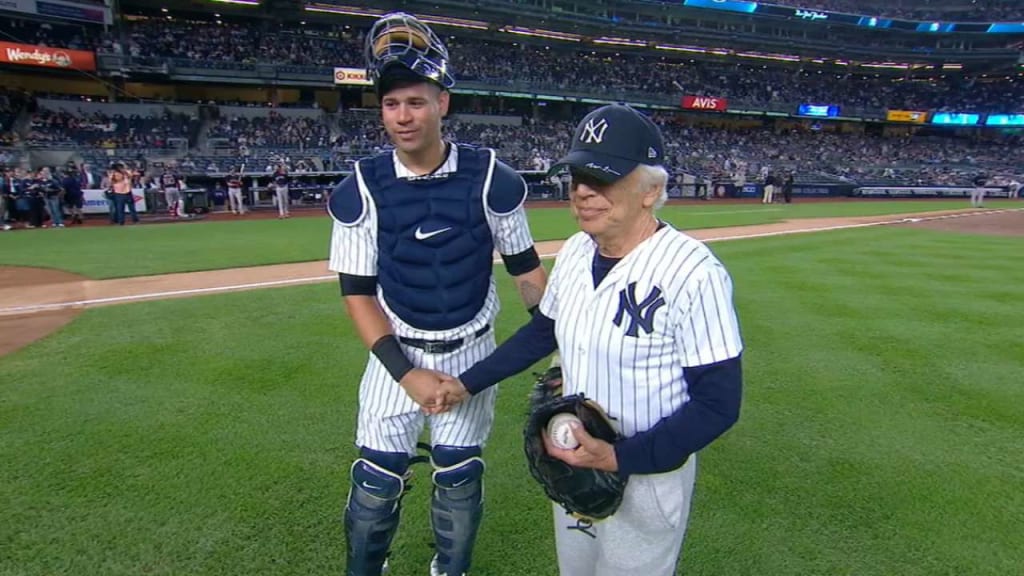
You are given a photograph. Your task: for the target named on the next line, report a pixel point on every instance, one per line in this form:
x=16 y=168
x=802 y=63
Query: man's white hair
x=653 y=176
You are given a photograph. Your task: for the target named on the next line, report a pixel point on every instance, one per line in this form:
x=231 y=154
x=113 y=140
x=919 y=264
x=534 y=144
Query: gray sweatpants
x=643 y=537
x=977 y=197
x=282 y=201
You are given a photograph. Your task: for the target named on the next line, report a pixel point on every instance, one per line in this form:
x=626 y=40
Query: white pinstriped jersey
x=665 y=306
x=354 y=250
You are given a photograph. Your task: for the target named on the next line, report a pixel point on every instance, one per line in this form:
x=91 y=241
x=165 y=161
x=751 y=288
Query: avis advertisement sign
x=351 y=77
x=29 y=55
x=705 y=103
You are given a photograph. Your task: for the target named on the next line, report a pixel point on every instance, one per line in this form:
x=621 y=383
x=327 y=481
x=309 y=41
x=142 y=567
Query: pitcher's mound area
x=997 y=224
x=17 y=331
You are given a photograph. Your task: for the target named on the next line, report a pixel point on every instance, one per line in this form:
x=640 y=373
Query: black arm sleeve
x=352 y=285
x=715 y=392
x=525 y=261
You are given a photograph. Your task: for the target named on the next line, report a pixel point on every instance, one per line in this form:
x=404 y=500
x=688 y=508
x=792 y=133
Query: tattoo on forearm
x=530 y=293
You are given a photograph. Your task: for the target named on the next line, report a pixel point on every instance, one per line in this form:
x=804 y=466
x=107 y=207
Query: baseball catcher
x=587 y=493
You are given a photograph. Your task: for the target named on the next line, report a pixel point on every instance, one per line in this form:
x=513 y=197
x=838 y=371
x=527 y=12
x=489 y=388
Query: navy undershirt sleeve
x=715 y=391
x=535 y=340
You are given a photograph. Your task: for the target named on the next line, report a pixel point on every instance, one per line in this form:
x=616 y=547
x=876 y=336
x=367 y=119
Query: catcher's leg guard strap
x=373 y=509
x=456 y=506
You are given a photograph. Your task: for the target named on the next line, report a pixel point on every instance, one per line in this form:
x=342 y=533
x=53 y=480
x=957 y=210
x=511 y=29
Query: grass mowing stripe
x=114 y=252
x=211 y=435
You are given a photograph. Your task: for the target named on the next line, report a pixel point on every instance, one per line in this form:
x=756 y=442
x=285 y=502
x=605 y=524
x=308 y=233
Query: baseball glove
x=584 y=492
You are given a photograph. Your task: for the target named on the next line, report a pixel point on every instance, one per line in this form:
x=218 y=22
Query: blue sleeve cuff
x=535 y=340
x=715 y=395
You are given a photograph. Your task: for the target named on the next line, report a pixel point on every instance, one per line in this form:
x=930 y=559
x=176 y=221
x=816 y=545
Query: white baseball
x=560 y=430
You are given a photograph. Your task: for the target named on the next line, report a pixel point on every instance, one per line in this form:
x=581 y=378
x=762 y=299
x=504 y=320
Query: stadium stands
x=563 y=68
x=558 y=67
x=939 y=10
x=208 y=138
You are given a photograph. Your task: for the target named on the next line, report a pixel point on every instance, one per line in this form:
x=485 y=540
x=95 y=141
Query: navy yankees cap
x=613 y=140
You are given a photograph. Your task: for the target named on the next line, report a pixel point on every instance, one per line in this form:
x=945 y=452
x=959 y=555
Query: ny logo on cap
x=593 y=132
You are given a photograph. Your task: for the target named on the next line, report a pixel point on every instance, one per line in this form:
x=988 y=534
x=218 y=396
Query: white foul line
x=750 y=211
x=324 y=278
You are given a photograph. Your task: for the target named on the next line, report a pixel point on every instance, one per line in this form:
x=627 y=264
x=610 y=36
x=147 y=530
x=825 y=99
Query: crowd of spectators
x=607 y=73
x=98 y=129
x=12 y=102
x=741 y=152
x=214 y=45
x=633 y=74
x=54 y=34
x=273 y=130
x=556 y=67
x=730 y=147
x=937 y=10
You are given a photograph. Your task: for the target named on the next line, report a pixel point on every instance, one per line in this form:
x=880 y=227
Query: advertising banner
x=1004 y=120
x=818 y=110
x=29 y=55
x=705 y=103
x=906 y=116
x=351 y=77
x=955 y=119
x=96 y=203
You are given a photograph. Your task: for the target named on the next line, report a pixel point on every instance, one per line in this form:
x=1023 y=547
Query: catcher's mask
x=399 y=44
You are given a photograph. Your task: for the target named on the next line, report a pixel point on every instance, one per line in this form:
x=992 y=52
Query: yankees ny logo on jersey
x=641 y=315
x=593 y=132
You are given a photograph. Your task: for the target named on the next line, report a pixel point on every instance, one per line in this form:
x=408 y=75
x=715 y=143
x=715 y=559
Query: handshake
x=435 y=392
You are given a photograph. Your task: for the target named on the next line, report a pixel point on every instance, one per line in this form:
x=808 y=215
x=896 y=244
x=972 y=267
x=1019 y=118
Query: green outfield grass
x=112 y=252
x=880 y=432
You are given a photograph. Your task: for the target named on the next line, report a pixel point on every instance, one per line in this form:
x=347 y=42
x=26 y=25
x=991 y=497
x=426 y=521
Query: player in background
x=978 y=192
x=769 y=186
x=413 y=240
x=642 y=315
x=234 y=186
x=171 y=186
x=1012 y=187
x=280 y=181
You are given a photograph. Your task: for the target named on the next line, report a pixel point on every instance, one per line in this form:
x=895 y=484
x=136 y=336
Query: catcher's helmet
x=399 y=39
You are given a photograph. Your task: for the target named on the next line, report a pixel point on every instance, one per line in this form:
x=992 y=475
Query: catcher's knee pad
x=373 y=509
x=456 y=506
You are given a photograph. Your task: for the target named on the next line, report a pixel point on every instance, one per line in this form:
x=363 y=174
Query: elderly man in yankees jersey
x=642 y=316
x=413 y=241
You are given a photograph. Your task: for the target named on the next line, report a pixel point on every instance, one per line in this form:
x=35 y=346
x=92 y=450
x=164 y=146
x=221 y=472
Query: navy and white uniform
x=654 y=339
x=429 y=240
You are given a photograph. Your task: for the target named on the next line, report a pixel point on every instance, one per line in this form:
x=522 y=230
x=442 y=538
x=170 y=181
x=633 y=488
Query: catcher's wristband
x=390 y=354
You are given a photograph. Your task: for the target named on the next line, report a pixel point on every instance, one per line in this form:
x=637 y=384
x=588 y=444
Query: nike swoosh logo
x=421 y=235
x=369 y=486
x=460 y=482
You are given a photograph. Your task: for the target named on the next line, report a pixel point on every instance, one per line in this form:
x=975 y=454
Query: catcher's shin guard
x=456 y=507
x=373 y=509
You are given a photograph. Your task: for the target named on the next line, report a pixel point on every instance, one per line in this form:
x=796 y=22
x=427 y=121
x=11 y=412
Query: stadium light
x=456 y=22
x=542 y=33
x=619 y=41
x=693 y=49
x=780 y=57
x=348 y=10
